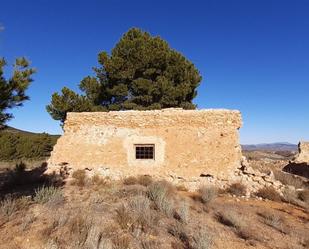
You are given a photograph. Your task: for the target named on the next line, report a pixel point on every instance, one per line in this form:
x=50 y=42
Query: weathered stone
x=187 y=143
x=303 y=153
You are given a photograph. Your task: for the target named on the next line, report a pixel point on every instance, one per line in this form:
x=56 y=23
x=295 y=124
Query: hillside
x=283 y=146
x=17 y=144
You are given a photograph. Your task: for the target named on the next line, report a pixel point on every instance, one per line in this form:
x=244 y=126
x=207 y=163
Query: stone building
x=169 y=142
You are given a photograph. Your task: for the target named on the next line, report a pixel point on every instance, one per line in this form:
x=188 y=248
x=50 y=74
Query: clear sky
x=253 y=54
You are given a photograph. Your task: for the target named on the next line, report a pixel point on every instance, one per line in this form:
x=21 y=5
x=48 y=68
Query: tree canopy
x=13 y=90
x=141 y=73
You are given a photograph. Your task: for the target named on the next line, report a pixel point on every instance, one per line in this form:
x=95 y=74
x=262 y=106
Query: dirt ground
x=94 y=213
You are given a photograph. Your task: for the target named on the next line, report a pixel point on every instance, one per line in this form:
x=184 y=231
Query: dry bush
x=202 y=240
x=123 y=217
x=98 y=181
x=121 y=242
x=144 y=180
x=50 y=195
x=237 y=189
x=27 y=220
x=289 y=179
x=274 y=220
x=304 y=196
x=79 y=177
x=268 y=193
x=179 y=231
x=160 y=193
x=143 y=218
x=150 y=244
x=130 y=180
x=10 y=205
x=79 y=226
x=239 y=224
x=183 y=211
x=208 y=193
x=290 y=196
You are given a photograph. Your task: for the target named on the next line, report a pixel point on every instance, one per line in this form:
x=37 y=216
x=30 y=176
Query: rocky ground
x=140 y=212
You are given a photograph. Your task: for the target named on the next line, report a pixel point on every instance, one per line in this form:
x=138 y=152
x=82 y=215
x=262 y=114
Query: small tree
x=13 y=90
x=141 y=73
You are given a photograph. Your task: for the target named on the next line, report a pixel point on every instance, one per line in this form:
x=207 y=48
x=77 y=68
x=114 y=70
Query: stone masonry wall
x=303 y=153
x=188 y=143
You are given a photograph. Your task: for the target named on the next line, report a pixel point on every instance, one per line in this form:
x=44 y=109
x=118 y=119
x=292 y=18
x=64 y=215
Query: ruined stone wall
x=303 y=153
x=188 y=143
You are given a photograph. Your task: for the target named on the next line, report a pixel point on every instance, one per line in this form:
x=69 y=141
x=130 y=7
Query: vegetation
x=141 y=73
x=16 y=145
x=208 y=193
x=237 y=189
x=13 y=90
x=268 y=193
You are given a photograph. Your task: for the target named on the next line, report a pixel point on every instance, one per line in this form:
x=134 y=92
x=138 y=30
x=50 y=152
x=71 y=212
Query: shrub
x=178 y=230
x=98 y=181
x=121 y=242
x=144 y=180
x=202 y=240
x=8 y=206
x=79 y=177
x=268 y=193
x=130 y=180
x=304 y=195
x=290 y=195
x=239 y=224
x=80 y=226
x=123 y=217
x=51 y=195
x=144 y=219
x=27 y=220
x=150 y=244
x=274 y=220
x=159 y=193
x=208 y=193
x=183 y=211
x=237 y=189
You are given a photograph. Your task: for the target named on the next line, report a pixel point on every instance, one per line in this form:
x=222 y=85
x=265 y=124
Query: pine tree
x=141 y=73
x=13 y=90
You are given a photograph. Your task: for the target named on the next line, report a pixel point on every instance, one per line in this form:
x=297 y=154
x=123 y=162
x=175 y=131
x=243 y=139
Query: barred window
x=144 y=151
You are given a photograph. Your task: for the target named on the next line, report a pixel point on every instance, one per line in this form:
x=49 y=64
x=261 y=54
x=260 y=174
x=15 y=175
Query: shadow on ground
x=301 y=169
x=20 y=182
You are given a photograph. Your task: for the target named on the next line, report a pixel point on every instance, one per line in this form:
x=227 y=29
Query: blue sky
x=253 y=54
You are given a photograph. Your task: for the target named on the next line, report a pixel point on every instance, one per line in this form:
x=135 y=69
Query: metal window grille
x=144 y=151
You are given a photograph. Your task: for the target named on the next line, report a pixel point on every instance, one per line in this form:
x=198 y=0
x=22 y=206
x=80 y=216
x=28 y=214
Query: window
x=144 y=151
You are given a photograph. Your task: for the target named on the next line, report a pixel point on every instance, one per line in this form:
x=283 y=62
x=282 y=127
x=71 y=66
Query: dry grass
x=237 y=189
x=51 y=195
x=79 y=178
x=121 y=242
x=131 y=180
x=150 y=244
x=160 y=193
x=208 y=193
x=10 y=205
x=274 y=220
x=183 y=211
x=239 y=224
x=304 y=196
x=202 y=240
x=269 y=193
x=123 y=217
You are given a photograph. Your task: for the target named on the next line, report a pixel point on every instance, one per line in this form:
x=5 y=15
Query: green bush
x=19 y=145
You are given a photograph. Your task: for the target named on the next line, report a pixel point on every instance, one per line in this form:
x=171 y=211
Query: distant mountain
x=271 y=146
x=17 y=131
